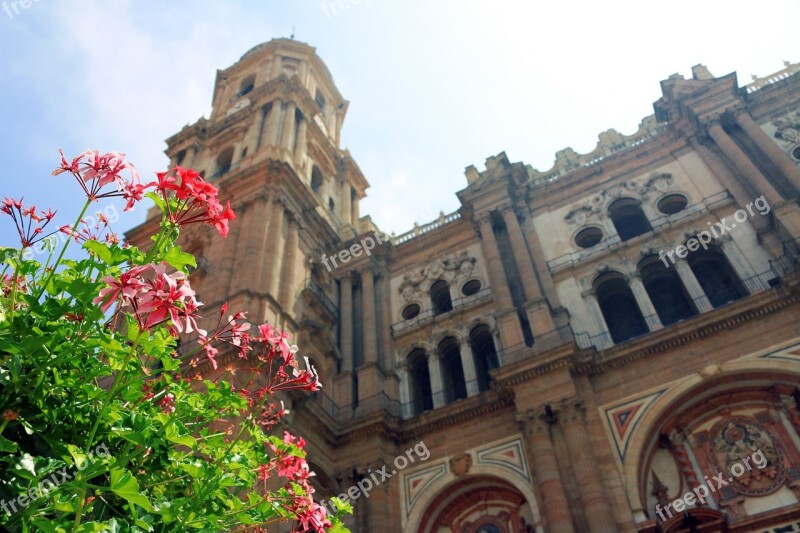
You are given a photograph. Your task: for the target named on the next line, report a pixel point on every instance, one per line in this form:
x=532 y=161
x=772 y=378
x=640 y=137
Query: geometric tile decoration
x=508 y=455
x=415 y=484
x=791 y=353
x=623 y=418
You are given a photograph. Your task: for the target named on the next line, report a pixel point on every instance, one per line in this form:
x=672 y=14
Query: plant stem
x=14 y=289
x=63 y=249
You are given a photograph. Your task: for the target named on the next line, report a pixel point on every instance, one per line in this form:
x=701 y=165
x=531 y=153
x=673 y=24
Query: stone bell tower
x=272 y=145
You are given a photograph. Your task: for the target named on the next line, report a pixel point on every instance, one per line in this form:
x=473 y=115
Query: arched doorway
x=731 y=439
x=478 y=504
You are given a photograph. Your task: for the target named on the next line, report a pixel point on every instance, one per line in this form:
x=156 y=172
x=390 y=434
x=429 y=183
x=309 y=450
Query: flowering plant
x=89 y=358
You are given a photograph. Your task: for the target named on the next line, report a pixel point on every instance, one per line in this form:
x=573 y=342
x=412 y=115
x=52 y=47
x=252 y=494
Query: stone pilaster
x=369 y=322
x=278 y=247
x=538 y=311
x=554 y=506
x=301 y=144
x=770 y=149
x=693 y=287
x=291 y=250
x=288 y=130
x=593 y=495
x=468 y=364
x=346 y=323
x=270 y=137
x=437 y=385
x=645 y=303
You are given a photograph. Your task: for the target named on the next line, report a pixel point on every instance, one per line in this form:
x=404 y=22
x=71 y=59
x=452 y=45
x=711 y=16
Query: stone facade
x=564 y=372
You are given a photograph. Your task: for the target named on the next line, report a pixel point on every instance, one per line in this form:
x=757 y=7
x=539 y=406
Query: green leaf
x=101 y=250
x=7 y=445
x=178 y=259
x=172 y=435
x=124 y=485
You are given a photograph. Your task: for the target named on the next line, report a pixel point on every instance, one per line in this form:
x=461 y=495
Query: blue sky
x=433 y=85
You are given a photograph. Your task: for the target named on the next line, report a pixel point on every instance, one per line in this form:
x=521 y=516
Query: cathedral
x=611 y=344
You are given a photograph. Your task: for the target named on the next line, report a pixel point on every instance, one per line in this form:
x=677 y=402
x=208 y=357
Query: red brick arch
x=496 y=500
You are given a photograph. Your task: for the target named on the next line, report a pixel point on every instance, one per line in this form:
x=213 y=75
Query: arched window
x=666 y=291
x=440 y=297
x=619 y=307
x=628 y=218
x=224 y=160
x=247 y=85
x=483 y=350
x=316 y=180
x=421 y=396
x=714 y=272
x=455 y=386
x=331 y=205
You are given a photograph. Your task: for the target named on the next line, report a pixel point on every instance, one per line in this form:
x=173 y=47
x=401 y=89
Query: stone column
x=273 y=123
x=384 y=357
x=266 y=240
x=644 y=301
x=554 y=504
x=521 y=255
x=279 y=247
x=693 y=287
x=593 y=495
x=355 y=216
x=252 y=249
x=370 y=327
x=437 y=386
x=288 y=132
x=300 y=146
x=740 y=160
x=228 y=261
x=593 y=306
x=740 y=265
x=406 y=400
x=346 y=209
x=287 y=278
x=770 y=149
x=346 y=341
x=540 y=264
x=494 y=264
x=468 y=364
x=538 y=310
x=729 y=181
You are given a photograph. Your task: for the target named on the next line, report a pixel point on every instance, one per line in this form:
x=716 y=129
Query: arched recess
x=478 y=500
x=455 y=386
x=421 y=393
x=628 y=218
x=716 y=276
x=619 y=307
x=727 y=413
x=485 y=354
x=666 y=291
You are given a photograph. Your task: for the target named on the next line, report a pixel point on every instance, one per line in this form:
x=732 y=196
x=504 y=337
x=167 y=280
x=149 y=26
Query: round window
x=410 y=311
x=588 y=237
x=471 y=287
x=672 y=203
x=796 y=153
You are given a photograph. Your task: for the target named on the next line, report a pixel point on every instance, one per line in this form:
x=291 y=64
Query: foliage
x=103 y=426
